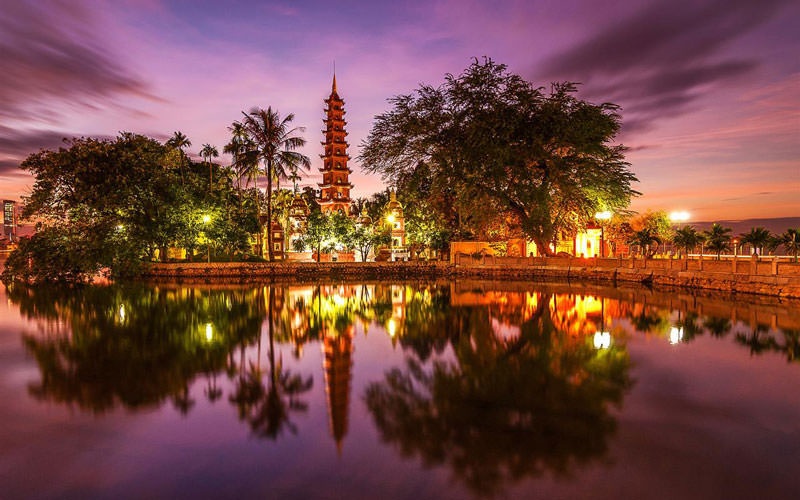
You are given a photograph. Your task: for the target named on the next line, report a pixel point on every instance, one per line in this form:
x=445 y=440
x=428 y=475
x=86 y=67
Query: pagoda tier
x=335 y=186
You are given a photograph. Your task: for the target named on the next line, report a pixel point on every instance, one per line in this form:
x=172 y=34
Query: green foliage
x=687 y=238
x=274 y=143
x=791 y=242
x=488 y=141
x=757 y=238
x=657 y=222
x=646 y=239
x=319 y=232
x=366 y=238
x=102 y=205
x=718 y=239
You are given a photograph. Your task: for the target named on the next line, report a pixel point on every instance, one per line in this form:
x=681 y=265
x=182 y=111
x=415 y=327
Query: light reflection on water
x=469 y=388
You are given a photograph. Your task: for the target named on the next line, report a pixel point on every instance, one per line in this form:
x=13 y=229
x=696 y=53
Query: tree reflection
x=506 y=407
x=267 y=408
x=132 y=346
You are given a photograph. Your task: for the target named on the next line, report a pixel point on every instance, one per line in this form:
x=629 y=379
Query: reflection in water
x=509 y=406
x=494 y=382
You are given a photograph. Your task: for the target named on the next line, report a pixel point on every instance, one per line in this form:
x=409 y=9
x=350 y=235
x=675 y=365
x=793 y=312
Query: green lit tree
x=488 y=139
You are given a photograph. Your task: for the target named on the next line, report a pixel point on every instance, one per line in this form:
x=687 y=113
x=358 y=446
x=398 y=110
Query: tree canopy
x=489 y=142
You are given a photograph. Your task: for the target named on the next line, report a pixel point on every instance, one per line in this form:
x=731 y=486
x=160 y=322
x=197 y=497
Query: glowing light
x=675 y=335
x=604 y=215
x=390 y=218
x=392 y=327
x=120 y=227
x=679 y=216
x=209 y=332
x=602 y=340
x=206 y=219
x=122 y=313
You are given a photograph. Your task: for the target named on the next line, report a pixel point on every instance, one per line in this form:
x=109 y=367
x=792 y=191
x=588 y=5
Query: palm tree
x=718 y=239
x=757 y=238
x=791 y=241
x=644 y=238
x=686 y=239
x=180 y=141
x=241 y=148
x=276 y=144
x=207 y=153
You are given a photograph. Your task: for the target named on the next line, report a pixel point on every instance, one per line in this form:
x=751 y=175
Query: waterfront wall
x=780 y=280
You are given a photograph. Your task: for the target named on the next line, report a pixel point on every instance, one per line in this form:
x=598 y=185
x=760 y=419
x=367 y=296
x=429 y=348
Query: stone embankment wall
x=336 y=270
x=785 y=284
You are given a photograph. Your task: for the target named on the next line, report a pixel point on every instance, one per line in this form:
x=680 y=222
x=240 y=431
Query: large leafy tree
x=104 y=204
x=547 y=158
x=276 y=145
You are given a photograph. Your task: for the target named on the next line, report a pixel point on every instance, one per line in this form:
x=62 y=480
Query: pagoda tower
x=335 y=188
x=338 y=367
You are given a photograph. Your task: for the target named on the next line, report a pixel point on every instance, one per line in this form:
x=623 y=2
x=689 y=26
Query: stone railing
x=740 y=265
x=781 y=279
x=743 y=275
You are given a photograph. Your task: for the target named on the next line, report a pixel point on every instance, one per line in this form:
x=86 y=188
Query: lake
x=440 y=389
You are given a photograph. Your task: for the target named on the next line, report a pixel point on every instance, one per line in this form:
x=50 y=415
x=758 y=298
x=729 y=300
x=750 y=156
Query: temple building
x=298 y=220
x=335 y=186
x=397 y=225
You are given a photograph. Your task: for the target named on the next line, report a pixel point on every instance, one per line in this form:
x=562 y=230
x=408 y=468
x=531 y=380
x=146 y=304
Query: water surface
x=398 y=390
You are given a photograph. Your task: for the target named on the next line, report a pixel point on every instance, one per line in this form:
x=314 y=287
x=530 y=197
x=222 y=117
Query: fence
x=739 y=266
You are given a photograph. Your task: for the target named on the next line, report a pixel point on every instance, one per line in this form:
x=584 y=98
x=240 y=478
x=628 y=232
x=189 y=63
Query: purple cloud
x=658 y=61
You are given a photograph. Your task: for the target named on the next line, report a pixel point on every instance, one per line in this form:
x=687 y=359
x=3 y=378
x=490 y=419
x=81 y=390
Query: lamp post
x=206 y=220
x=602 y=217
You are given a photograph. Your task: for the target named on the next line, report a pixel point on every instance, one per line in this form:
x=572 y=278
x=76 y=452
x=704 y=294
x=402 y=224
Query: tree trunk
x=269 y=211
x=542 y=247
x=259 y=237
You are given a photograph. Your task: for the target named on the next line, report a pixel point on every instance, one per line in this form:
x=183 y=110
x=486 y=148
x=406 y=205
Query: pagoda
x=335 y=188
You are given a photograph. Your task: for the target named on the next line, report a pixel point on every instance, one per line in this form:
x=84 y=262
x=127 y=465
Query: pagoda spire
x=335 y=187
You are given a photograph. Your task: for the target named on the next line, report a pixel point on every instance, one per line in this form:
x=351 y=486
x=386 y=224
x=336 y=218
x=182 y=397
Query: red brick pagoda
x=335 y=186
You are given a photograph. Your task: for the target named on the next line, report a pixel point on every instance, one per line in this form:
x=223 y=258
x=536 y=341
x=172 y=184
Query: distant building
x=335 y=187
x=397 y=225
x=10 y=220
x=298 y=220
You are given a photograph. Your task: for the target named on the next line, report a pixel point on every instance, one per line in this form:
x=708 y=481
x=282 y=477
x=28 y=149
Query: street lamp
x=602 y=217
x=206 y=220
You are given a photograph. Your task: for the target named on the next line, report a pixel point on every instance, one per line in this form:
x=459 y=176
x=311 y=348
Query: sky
x=709 y=89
